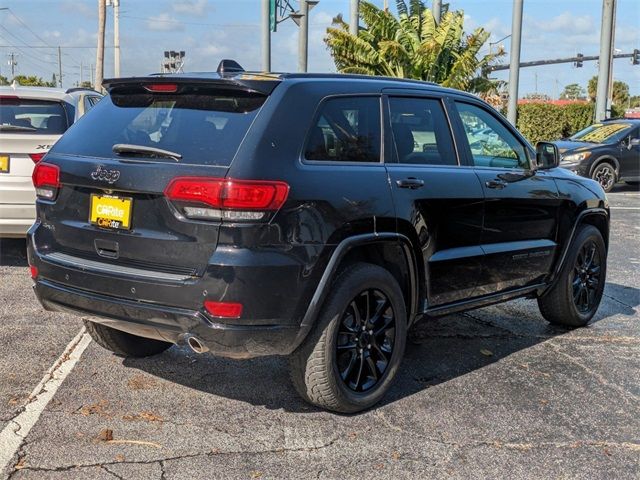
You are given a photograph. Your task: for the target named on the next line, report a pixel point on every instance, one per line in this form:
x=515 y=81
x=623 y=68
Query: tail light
x=36 y=157
x=219 y=198
x=33 y=270
x=46 y=179
x=162 y=87
x=223 y=309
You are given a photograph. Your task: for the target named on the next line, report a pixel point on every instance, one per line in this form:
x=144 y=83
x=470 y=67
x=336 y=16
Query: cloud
x=567 y=22
x=74 y=7
x=197 y=8
x=164 y=23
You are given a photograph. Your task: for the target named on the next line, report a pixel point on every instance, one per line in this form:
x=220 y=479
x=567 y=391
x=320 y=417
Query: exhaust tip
x=196 y=344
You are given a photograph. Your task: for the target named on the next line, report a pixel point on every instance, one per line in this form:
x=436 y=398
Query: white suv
x=31 y=121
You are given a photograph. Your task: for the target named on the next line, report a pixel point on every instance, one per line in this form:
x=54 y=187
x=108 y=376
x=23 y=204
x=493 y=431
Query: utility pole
x=604 y=65
x=13 y=63
x=437 y=10
x=303 y=36
x=102 y=18
x=81 y=74
x=91 y=70
x=60 y=66
x=514 y=65
x=266 y=35
x=116 y=38
x=353 y=17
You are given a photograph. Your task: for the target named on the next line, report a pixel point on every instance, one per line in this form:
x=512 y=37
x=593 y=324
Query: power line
x=27 y=27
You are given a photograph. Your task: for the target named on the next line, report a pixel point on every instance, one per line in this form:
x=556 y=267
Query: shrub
x=548 y=122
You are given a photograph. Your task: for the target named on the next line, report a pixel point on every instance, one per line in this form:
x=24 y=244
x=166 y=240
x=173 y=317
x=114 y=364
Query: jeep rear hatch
x=117 y=196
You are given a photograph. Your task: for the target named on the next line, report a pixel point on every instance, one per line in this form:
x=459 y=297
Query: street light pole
x=266 y=36
x=303 y=36
x=437 y=10
x=514 y=65
x=116 y=38
x=353 y=17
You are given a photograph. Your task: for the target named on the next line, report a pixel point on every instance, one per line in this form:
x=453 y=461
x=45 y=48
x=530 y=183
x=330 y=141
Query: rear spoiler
x=255 y=83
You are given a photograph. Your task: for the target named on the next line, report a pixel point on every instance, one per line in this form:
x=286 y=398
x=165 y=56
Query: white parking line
x=624 y=208
x=18 y=428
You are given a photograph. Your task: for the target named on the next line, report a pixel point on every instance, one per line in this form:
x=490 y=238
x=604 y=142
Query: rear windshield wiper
x=17 y=128
x=124 y=148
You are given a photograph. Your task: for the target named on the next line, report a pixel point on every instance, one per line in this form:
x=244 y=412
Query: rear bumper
x=168 y=323
x=15 y=219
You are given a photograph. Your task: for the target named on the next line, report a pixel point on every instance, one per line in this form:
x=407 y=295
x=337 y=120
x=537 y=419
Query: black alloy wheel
x=586 y=280
x=366 y=337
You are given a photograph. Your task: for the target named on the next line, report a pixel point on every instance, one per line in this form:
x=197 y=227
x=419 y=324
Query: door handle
x=412 y=183
x=497 y=184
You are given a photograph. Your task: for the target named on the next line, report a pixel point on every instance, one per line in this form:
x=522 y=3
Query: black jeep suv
x=607 y=152
x=316 y=216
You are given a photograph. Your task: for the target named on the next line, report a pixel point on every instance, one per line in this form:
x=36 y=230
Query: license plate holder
x=110 y=211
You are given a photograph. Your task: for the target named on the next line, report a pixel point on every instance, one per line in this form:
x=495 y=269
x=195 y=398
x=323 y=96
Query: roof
x=265 y=82
x=41 y=93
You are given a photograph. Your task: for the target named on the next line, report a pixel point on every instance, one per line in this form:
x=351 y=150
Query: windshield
x=40 y=117
x=603 y=133
x=205 y=129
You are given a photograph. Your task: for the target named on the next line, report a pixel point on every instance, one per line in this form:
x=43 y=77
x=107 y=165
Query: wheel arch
x=599 y=218
x=605 y=158
x=374 y=248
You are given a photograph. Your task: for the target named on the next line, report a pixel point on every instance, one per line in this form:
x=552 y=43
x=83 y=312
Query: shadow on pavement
x=439 y=350
x=13 y=252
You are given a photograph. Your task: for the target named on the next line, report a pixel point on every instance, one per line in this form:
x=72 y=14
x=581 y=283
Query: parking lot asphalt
x=494 y=393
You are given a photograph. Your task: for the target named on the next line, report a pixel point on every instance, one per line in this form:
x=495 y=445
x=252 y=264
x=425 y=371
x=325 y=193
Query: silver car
x=31 y=121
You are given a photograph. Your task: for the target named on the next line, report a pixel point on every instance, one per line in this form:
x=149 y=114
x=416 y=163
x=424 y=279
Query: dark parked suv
x=316 y=216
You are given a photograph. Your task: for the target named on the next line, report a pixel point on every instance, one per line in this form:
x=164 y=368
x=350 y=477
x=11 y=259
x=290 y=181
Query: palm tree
x=411 y=46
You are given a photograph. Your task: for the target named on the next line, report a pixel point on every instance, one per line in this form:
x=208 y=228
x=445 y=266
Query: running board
x=480 y=302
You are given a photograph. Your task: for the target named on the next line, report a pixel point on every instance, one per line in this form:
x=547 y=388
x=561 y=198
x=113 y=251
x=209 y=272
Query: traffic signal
x=635 y=59
x=578 y=62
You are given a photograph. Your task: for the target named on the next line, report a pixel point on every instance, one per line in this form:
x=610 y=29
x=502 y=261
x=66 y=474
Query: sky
x=211 y=30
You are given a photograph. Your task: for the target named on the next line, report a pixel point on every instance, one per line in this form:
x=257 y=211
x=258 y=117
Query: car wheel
x=605 y=175
x=576 y=295
x=123 y=343
x=350 y=358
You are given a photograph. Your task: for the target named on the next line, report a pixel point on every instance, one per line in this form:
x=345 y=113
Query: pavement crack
x=103 y=467
x=619 y=301
x=626 y=395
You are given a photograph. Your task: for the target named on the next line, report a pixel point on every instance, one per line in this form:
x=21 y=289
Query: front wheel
x=605 y=175
x=576 y=295
x=349 y=360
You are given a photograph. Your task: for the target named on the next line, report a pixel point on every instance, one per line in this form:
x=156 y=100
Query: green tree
x=620 y=91
x=634 y=101
x=4 y=80
x=32 y=81
x=572 y=91
x=411 y=46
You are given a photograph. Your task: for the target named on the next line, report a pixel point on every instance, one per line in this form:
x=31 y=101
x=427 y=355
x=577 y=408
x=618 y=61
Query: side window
x=421 y=132
x=89 y=102
x=346 y=129
x=491 y=143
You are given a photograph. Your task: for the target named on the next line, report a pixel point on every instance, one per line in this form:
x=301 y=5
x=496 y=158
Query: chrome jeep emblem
x=104 y=175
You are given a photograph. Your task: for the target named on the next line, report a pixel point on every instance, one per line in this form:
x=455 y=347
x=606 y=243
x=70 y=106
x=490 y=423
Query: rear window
x=42 y=117
x=206 y=129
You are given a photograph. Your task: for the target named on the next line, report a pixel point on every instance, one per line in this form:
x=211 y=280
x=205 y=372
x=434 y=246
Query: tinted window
x=491 y=143
x=203 y=128
x=421 y=132
x=346 y=130
x=89 y=102
x=32 y=116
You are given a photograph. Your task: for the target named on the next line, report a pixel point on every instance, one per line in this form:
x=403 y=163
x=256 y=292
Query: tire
x=318 y=365
x=605 y=175
x=123 y=343
x=564 y=304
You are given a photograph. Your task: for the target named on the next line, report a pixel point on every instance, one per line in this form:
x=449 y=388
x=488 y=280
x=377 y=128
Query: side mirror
x=633 y=142
x=547 y=155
